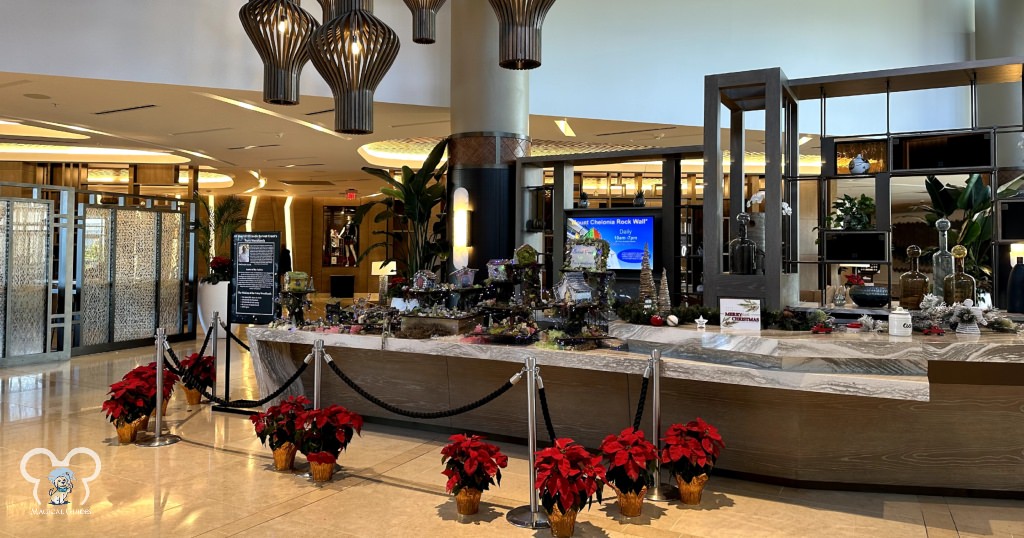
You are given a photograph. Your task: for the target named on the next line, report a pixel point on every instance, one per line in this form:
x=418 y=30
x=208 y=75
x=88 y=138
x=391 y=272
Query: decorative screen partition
x=96 y=277
x=134 y=268
x=171 y=232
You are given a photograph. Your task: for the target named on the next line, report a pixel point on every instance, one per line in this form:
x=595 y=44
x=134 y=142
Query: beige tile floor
x=218 y=482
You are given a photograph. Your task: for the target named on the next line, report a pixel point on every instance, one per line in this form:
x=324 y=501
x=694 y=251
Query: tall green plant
x=215 y=225
x=971 y=207
x=413 y=201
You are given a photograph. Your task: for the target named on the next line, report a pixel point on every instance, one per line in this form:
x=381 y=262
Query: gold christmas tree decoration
x=647 y=290
x=664 y=297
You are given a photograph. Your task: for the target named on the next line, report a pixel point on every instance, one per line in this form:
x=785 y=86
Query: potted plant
x=323 y=434
x=629 y=459
x=471 y=466
x=214 y=226
x=568 y=478
x=691 y=450
x=416 y=203
x=849 y=213
x=127 y=407
x=278 y=428
x=198 y=374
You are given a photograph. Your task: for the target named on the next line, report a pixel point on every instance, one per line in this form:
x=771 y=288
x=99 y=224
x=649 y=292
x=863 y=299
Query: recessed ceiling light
x=37 y=96
x=804 y=139
x=563 y=125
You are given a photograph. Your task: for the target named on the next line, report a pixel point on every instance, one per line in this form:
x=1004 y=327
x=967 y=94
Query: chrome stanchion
x=660 y=491
x=213 y=340
x=530 y=517
x=318 y=370
x=158 y=438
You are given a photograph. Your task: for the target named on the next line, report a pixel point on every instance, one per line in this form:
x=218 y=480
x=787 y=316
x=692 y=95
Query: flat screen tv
x=626 y=236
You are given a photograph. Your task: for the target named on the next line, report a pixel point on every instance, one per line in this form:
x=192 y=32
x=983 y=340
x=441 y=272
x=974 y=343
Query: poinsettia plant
x=324 y=433
x=691 y=450
x=199 y=372
x=854 y=280
x=134 y=396
x=279 y=423
x=630 y=459
x=220 y=270
x=568 y=476
x=471 y=463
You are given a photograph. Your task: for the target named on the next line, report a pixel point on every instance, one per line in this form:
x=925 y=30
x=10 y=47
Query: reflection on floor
x=218 y=482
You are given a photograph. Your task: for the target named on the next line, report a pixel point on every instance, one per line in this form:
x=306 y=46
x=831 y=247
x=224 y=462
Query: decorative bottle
x=913 y=283
x=639 y=200
x=1015 y=288
x=743 y=256
x=942 y=261
x=959 y=286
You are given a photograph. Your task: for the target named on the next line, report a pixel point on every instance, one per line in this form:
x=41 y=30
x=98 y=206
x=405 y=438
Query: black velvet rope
x=238 y=341
x=547 y=414
x=640 y=404
x=206 y=341
x=187 y=378
x=418 y=414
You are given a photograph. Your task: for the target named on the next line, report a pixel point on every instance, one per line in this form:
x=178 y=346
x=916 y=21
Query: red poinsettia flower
x=629 y=457
x=134 y=396
x=278 y=424
x=691 y=449
x=471 y=463
x=854 y=280
x=201 y=371
x=326 y=430
x=568 y=475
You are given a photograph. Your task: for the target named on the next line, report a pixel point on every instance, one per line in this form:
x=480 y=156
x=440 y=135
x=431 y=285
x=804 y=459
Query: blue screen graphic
x=625 y=235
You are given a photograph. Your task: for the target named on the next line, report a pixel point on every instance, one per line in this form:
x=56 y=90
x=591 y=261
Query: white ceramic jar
x=900 y=323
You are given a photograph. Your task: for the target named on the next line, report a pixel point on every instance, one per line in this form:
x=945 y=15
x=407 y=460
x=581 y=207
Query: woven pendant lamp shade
x=519 y=24
x=353 y=52
x=424 y=19
x=280 y=31
x=336 y=8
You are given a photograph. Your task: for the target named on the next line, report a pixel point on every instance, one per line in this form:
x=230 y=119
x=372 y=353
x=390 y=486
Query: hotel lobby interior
x=128 y=129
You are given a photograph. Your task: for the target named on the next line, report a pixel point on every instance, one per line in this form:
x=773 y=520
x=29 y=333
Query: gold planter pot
x=284 y=457
x=322 y=472
x=562 y=525
x=126 y=431
x=164 y=407
x=630 y=504
x=690 y=492
x=143 y=423
x=192 y=396
x=467 y=501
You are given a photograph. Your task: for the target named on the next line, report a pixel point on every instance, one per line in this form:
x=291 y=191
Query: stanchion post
x=158 y=438
x=213 y=338
x=659 y=491
x=318 y=370
x=530 y=517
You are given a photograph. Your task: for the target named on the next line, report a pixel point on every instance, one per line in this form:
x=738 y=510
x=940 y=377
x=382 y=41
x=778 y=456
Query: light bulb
x=356 y=48
x=282 y=25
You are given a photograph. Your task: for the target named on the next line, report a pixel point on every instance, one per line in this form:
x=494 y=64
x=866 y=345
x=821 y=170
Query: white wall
x=643 y=60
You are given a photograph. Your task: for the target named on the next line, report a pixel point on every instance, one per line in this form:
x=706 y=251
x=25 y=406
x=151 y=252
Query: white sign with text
x=740 y=314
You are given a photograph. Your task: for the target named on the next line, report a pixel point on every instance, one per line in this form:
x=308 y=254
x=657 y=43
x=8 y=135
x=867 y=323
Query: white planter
x=213 y=298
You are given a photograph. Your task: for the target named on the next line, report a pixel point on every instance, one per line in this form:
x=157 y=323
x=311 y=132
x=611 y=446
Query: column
x=490 y=129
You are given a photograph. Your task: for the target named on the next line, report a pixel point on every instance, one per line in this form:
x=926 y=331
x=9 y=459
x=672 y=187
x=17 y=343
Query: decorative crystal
x=942 y=261
x=913 y=283
x=959 y=286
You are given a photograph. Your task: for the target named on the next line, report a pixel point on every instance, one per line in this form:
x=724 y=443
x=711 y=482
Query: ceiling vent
x=314 y=183
x=318 y=112
x=636 y=131
x=257 y=146
x=119 y=110
x=202 y=131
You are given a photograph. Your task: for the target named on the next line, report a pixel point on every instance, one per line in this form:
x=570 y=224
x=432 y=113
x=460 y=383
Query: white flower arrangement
x=758 y=197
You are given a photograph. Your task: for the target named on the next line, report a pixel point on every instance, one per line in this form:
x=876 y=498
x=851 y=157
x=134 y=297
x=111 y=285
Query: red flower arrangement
x=134 y=396
x=279 y=423
x=471 y=463
x=854 y=280
x=691 y=450
x=220 y=270
x=568 y=476
x=199 y=372
x=630 y=459
x=324 y=433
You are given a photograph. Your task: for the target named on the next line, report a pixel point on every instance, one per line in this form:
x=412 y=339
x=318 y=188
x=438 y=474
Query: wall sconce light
x=460 y=228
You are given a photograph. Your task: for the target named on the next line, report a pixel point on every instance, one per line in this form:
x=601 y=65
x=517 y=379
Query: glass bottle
x=959 y=286
x=942 y=261
x=743 y=259
x=913 y=283
x=639 y=200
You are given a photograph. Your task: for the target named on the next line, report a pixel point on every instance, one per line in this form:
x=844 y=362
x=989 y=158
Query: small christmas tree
x=664 y=297
x=647 y=290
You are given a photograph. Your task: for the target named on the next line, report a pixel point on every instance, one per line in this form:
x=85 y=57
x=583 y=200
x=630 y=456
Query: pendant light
x=353 y=52
x=519 y=23
x=280 y=30
x=424 y=19
x=336 y=8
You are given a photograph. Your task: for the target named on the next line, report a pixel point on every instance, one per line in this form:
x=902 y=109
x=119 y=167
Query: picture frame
x=586 y=254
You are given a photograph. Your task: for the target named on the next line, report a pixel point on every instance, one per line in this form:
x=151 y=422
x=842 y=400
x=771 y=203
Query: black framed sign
x=254 y=285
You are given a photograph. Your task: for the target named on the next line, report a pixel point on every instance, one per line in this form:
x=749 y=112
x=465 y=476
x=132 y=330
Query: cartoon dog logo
x=63 y=480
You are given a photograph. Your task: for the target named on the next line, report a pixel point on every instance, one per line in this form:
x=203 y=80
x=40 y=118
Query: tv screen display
x=626 y=236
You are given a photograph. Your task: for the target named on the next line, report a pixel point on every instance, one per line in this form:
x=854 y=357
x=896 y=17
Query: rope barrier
x=640 y=404
x=238 y=341
x=186 y=377
x=206 y=341
x=544 y=409
x=419 y=414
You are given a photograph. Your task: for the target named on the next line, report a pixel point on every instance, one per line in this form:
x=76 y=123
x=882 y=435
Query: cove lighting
x=261 y=110
x=16 y=129
x=251 y=213
x=563 y=125
x=288 y=222
x=48 y=153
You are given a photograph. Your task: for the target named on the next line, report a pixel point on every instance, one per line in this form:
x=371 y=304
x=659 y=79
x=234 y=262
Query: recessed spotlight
x=37 y=96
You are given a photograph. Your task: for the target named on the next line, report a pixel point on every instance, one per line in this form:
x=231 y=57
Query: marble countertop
x=674 y=365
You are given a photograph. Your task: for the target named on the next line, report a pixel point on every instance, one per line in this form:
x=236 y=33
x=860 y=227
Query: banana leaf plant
x=969 y=207
x=416 y=202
